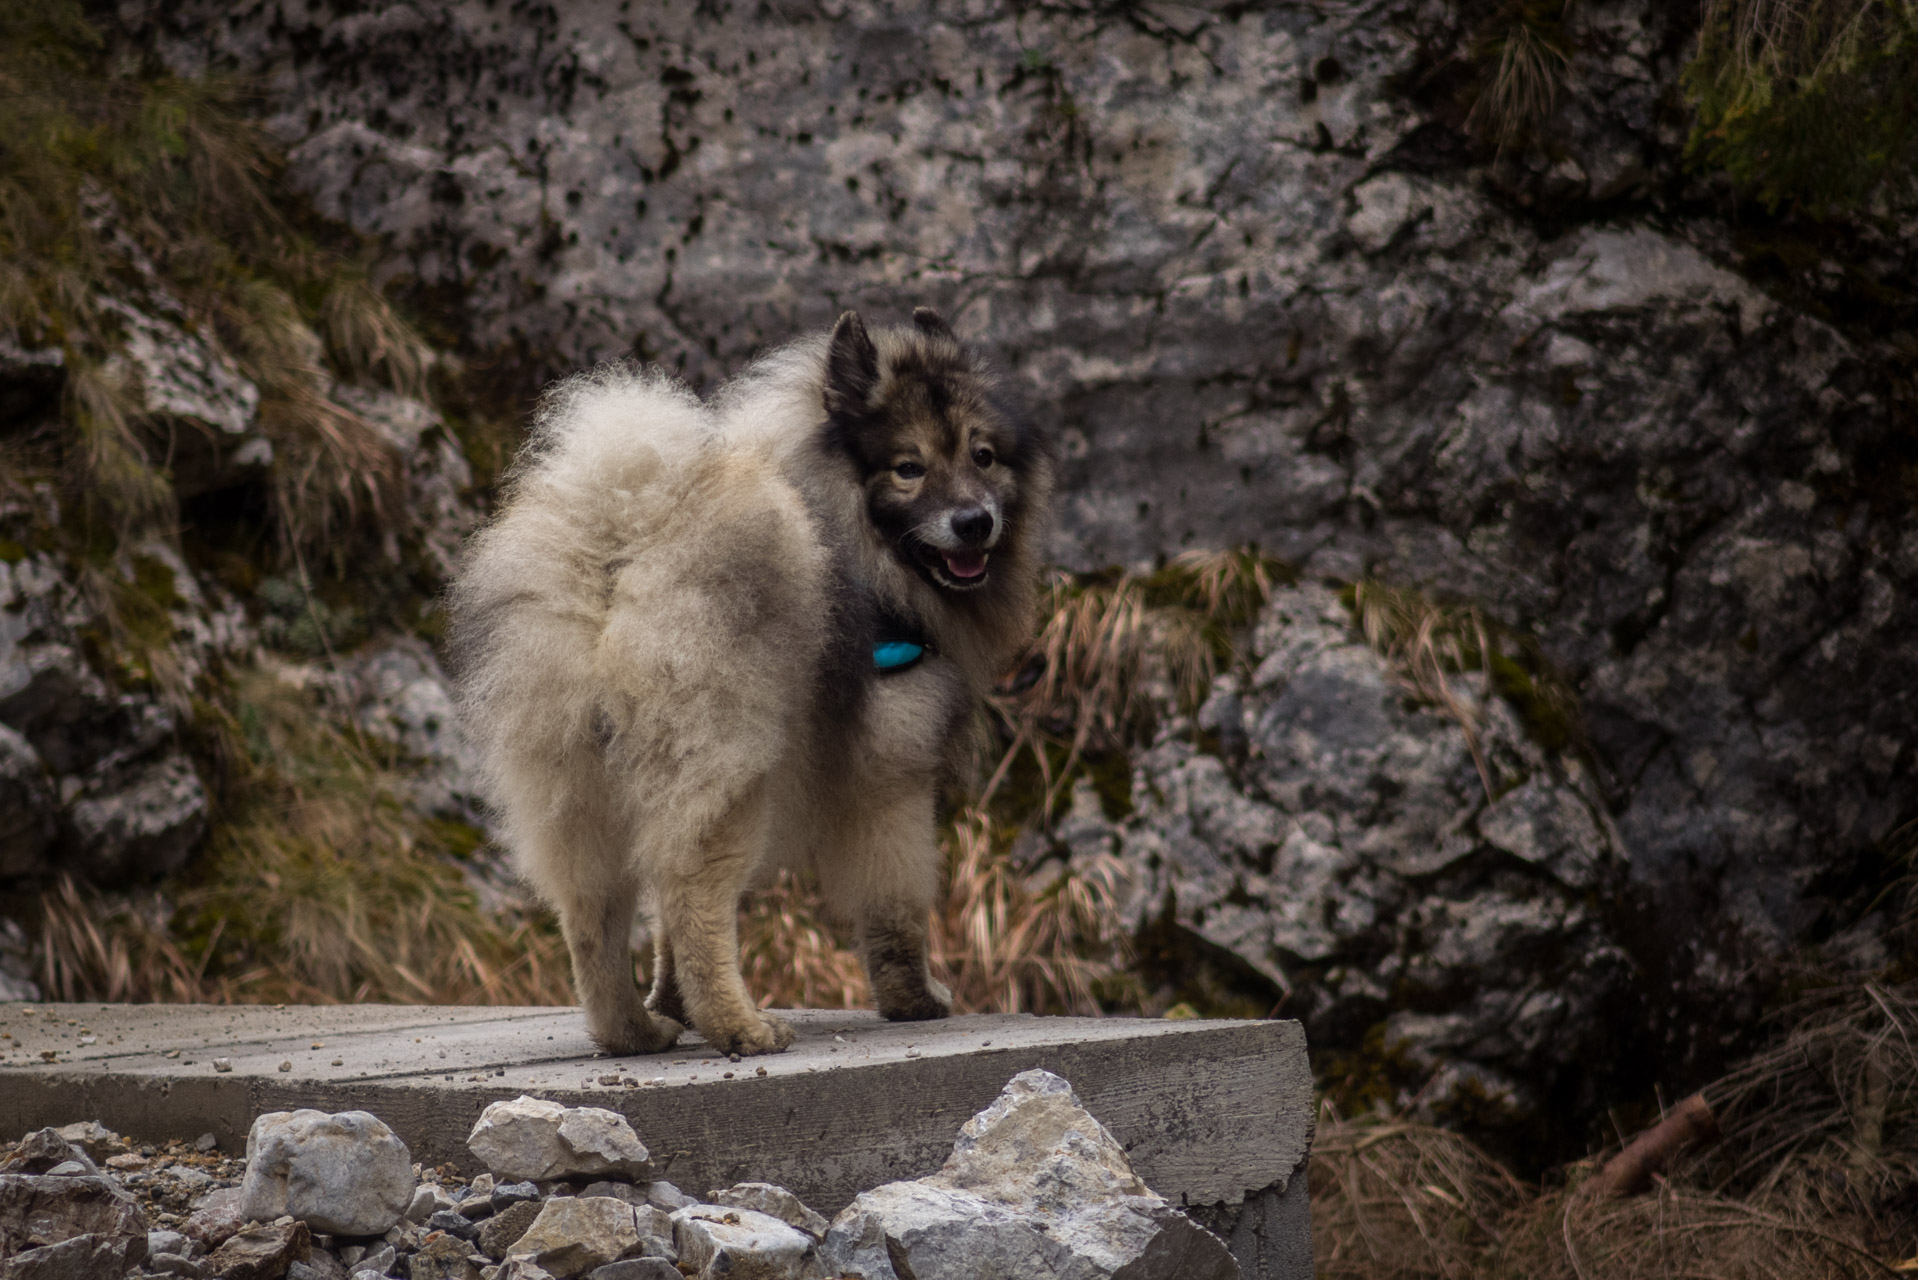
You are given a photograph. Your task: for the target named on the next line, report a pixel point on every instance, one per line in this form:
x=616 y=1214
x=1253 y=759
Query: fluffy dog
x=702 y=640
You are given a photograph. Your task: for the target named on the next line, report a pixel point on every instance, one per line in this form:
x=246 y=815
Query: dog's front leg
x=699 y=923
x=903 y=987
x=885 y=878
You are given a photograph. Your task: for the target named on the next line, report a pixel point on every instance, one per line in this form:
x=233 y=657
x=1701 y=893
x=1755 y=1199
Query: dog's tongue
x=965 y=564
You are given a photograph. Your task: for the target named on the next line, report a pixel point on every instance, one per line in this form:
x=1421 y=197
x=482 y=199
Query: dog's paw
x=655 y=1035
x=934 y=1000
x=764 y=1034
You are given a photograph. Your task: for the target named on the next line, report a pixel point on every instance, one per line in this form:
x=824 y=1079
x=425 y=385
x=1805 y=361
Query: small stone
x=520 y=1269
x=348 y=1173
x=531 y=1139
x=94 y=1138
x=286 y=1065
x=453 y=1223
x=716 y=1241
x=259 y=1253
x=317 y=1265
x=510 y=1193
x=429 y=1198
x=445 y=1258
x=502 y=1231
x=175 y=1264
x=379 y=1261
x=637 y=1269
x=223 y=1064
x=775 y=1201
x=205 y=1143
x=574 y=1235
x=168 y=1242
x=668 y=1197
x=69 y=1169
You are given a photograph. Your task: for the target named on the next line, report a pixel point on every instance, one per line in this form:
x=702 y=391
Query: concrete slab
x=1216 y=1115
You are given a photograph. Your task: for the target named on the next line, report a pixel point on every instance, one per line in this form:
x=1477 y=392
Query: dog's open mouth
x=955 y=570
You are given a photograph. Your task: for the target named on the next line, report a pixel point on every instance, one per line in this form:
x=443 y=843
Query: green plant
x=1808 y=104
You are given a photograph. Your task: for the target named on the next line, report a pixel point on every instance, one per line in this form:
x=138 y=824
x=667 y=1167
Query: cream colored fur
x=644 y=635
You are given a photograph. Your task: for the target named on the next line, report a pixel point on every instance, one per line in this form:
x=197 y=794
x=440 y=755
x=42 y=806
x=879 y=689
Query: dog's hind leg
x=886 y=877
x=699 y=915
x=597 y=919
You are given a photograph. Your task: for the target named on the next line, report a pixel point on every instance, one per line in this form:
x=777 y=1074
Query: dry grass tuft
x=1006 y=943
x=1110 y=642
x=319 y=885
x=1528 y=73
x=1813 y=1181
x=1398 y=1201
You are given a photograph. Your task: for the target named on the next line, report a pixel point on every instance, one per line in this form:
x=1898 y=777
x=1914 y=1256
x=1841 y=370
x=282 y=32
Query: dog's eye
x=909 y=471
x=982 y=456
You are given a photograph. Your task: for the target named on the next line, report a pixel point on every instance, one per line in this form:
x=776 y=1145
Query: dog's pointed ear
x=931 y=323
x=852 y=366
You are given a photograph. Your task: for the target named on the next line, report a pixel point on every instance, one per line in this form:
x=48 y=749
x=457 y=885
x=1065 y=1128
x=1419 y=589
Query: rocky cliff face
x=1248 y=264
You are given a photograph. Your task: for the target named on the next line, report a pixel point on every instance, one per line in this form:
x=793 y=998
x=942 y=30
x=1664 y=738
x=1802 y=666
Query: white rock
x=345 y=1174
x=723 y=1243
x=1035 y=1189
x=575 y=1234
x=776 y=1201
x=533 y=1140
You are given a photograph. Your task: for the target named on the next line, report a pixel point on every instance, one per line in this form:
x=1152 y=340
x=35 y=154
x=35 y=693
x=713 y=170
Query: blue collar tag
x=896 y=655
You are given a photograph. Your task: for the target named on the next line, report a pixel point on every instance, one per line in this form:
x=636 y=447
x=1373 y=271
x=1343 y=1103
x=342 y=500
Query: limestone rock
x=345 y=1174
x=26 y=811
x=531 y=1139
x=215 y=1218
x=572 y=1235
x=260 y=1252
x=1035 y=1188
x=1338 y=839
x=44 y=1150
x=721 y=1243
x=74 y=1227
x=83 y=1257
x=774 y=1201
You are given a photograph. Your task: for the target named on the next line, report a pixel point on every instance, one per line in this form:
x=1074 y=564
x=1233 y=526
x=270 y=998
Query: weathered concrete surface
x=1214 y=1115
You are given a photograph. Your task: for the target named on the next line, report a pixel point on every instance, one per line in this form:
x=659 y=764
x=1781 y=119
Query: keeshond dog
x=704 y=640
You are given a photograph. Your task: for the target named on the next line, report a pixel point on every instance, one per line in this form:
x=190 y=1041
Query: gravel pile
x=1035 y=1188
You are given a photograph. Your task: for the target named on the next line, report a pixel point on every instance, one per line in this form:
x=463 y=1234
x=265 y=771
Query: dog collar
x=891 y=656
x=897 y=644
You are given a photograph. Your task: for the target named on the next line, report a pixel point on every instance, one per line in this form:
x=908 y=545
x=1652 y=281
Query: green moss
x=12 y=552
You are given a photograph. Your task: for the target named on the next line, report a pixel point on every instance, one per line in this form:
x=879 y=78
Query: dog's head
x=948 y=467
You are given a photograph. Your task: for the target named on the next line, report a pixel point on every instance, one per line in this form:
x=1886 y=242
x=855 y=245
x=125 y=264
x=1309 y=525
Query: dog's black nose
x=972 y=526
